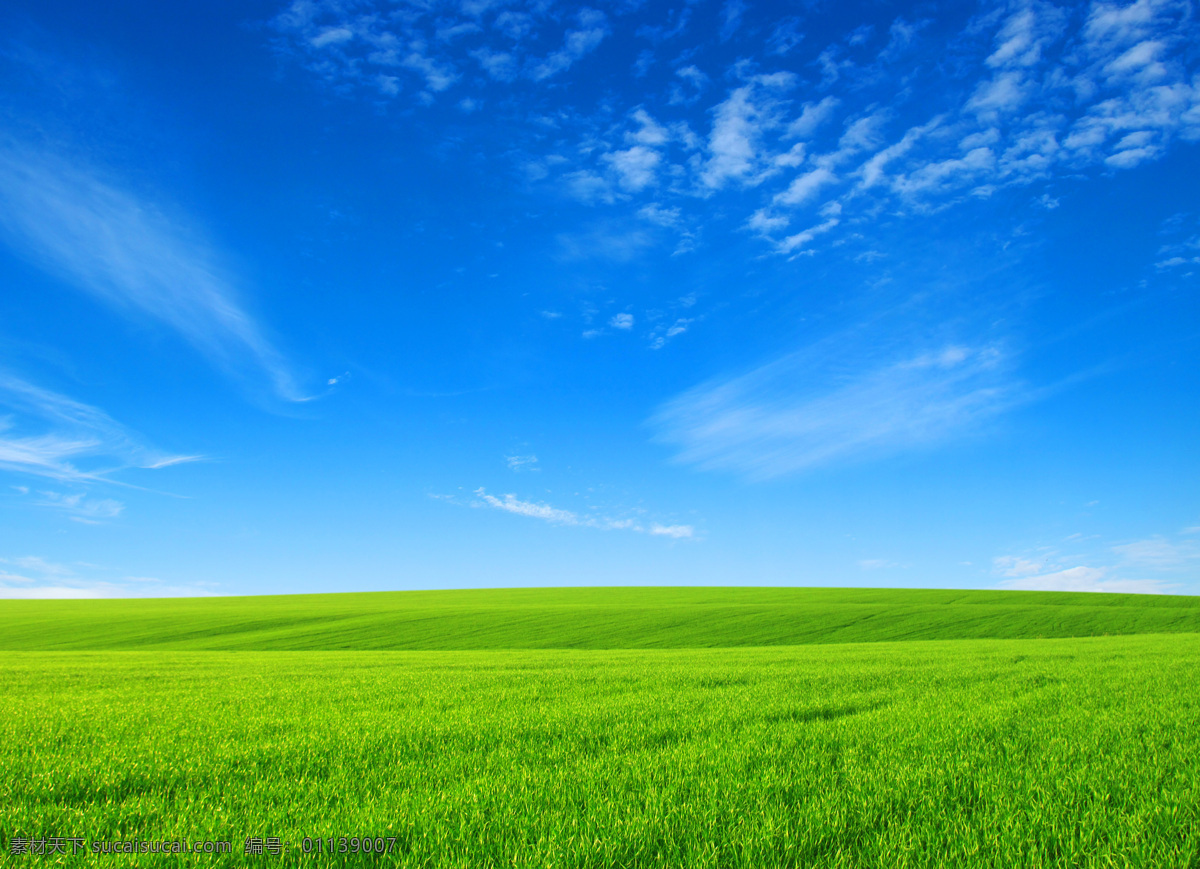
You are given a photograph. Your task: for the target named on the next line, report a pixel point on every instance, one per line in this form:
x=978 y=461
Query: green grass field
x=803 y=751
x=585 y=618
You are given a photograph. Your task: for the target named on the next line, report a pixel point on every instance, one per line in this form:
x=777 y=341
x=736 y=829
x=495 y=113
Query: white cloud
x=1023 y=36
x=46 y=580
x=1003 y=94
x=798 y=241
x=614 y=242
x=521 y=463
x=766 y=223
x=50 y=435
x=500 y=65
x=739 y=124
x=1122 y=21
x=797 y=413
x=577 y=43
x=622 y=321
x=657 y=214
x=513 y=24
x=1015 y=567
x=557 y=516
x=635 y=167
x=901 y=35
x=694 y=82
x=91 y=511
x=865 y=133
x=660 y=336
x=1158 y=553
x=812 y=116
x=438 y=75
x=675 y=531
x=331 y=36
x=872 y=171
x=130 y=255
x=511 y=504
x=1083 y=578
x=588 y=187
x=785 y=36
x=649 y=131
x=805 y=187
x=731 y=17
x=733 y=142
x=946 y=174
x=1151 y=565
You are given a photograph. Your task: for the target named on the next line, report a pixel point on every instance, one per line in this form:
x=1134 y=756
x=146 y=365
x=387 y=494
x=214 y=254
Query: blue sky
x=333 y=296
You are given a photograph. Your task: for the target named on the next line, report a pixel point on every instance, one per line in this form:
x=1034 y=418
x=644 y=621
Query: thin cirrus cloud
x=122 y=250
x=50 y=435
x=558 y=516
x=89 y=511
x=801 y=411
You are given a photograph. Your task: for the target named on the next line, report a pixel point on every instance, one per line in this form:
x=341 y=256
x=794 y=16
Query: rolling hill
x=583 y=618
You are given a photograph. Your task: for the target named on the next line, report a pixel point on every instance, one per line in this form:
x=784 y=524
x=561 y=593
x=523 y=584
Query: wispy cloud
x=577 y=42
x=50 y=435
x=800 y=411
x=521 y=463
x=512 y=504
x=1159 y=553
x=557 y=516
x=129 y=254
x=605 y=241
x=33 y=577
x=1162 y=564
x=676 y=531
x=81 y=508
x=664 y=333
x=1084 y=578
x=738 y=145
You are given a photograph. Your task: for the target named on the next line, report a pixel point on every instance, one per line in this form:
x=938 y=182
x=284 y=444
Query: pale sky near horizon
x=359 y=295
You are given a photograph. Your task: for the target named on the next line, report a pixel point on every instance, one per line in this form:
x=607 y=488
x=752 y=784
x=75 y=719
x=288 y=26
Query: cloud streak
x=557 y=516
x=126 y=253
x=801 y=412
x=34 y=578
x=51 y=435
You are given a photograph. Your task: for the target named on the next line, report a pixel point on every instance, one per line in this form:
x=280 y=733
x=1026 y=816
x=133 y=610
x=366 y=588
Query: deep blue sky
x=338 y=296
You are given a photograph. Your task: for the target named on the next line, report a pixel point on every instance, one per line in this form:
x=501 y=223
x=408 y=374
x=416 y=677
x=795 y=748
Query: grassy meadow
x=584 y=618
x=895 y=750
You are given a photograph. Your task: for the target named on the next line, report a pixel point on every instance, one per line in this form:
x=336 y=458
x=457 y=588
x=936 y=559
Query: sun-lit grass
x=584 y=618
x=1079 y=752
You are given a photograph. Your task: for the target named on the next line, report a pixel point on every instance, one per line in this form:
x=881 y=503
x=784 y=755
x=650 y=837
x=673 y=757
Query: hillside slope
x=595 y=618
